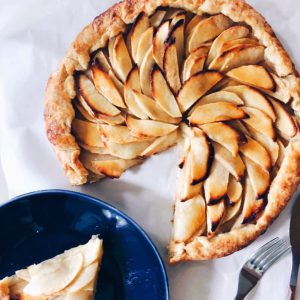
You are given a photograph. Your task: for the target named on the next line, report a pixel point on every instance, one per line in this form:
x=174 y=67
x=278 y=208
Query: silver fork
x=256 y=266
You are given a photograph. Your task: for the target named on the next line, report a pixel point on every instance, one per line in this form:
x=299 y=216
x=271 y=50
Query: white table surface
x=34 y=35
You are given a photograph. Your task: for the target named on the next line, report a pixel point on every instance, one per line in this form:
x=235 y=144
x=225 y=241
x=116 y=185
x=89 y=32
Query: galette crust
x=59 y=112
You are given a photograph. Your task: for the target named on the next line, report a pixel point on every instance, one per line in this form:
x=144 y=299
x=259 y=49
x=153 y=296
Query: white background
x=34 y=35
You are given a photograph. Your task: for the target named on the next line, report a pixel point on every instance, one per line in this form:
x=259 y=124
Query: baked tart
x=207 y=75
x=68 y=276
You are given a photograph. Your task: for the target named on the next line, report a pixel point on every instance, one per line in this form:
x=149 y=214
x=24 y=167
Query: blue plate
x=40 y=225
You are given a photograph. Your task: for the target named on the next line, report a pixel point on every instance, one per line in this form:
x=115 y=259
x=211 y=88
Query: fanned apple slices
x=71 y=275
x=199 y=81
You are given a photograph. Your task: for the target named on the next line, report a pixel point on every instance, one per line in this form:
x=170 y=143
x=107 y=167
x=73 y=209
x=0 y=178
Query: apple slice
x=206 y=30
x=232 y=33
x=126 y=151
x=195 y=87
x=257 y=153
x=121 y=60
x=141 y=24
x=253 y=98
x=185 y=190
x=171 y=66
x=238 y=42
x=214 y=215
x=94 y=99
x=159 y=39
x=215 y=112
x=234 y=190
x=177 y=35
x=224 y=135
x=281 y=154
x=253 y=75
x=157 y=18
x=189 y=218
x=118 y=134
x=240 y=127
x=215 y=186
x=85 y=112
x=162 y=93
x=237 y=56
x=190 y=27
x=104 y=84
x=200 y=155
x=87 y=133
x=233 y=164
x=284 y=122
x=268 y=143
x=145 y=71
x=102 y=61
x=194 y=62
x=232 y=210
x=148 y=127
x=259 y=177
x=179 y=16
x=153 y=109
x=172 y=13
x=107 y=165
x=252 y=207
x=116 y=120
x=118 y=84
x=161 y=144
x=92 y=149
x=260 y=121
x=145 y=43
x=133 y=83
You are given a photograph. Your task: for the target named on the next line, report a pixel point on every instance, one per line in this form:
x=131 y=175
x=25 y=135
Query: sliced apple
x=190 y=27
x=224 y=135
x=153 y=109
x=172 y=13
x=253 y=98
x=268 y=143
x=282 y=91
x=87 y=132
x=252 y=207
x=237 y=56
x=214 y=215
x=92 y=149
x=179 y=16
x=116 y=120
x=118 y=84
x=159 y=39
x=215 y=186
x=145 y=71
x=94 y=99
x=257 y=153
x=206 y=30
x=260 y=121
x=240 y=127
x=121 y=60
x=216 y=112
x=157 y=18
x=102 y=61
x=194 y=62
x=234 y=191
x=118 y=134
x=105 y=85
x=232 y=33
x=232 y=210
x=253 y=75
x=177 y=35
x=162 y=93
x=145 y=43
x=189 y=218
x=133 y=83
x=85 y=111
x=233 y=164
x=161 y=144
x=200 y=155
x=281 y=154
x=141 y=24
x=171 y=66
x=259 y=177
x=148 y=128
x=233 y=43
x=126 y=151
x=107 y=165
x=195 y=87
x=284 y=121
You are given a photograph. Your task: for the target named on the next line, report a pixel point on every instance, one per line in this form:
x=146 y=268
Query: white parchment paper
x=34 y=35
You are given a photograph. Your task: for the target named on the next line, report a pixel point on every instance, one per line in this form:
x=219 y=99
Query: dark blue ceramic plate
x=40 y=225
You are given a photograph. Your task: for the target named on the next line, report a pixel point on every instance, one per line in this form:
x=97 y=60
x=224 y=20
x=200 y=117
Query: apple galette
x=208 y=75
x=68 y=276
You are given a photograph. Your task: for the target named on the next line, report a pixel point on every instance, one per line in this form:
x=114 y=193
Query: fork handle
x=294 y=275
x=247 y=282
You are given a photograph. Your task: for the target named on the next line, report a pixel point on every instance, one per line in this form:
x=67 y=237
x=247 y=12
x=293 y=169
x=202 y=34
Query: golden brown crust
x=4 y=292
x=59 y=111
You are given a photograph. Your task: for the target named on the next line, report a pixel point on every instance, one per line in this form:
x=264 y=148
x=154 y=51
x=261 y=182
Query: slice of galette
x=209 y=75
x=68 y=276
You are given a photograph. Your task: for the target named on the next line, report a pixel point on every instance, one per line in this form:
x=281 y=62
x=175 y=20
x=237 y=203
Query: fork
x=256 y=266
